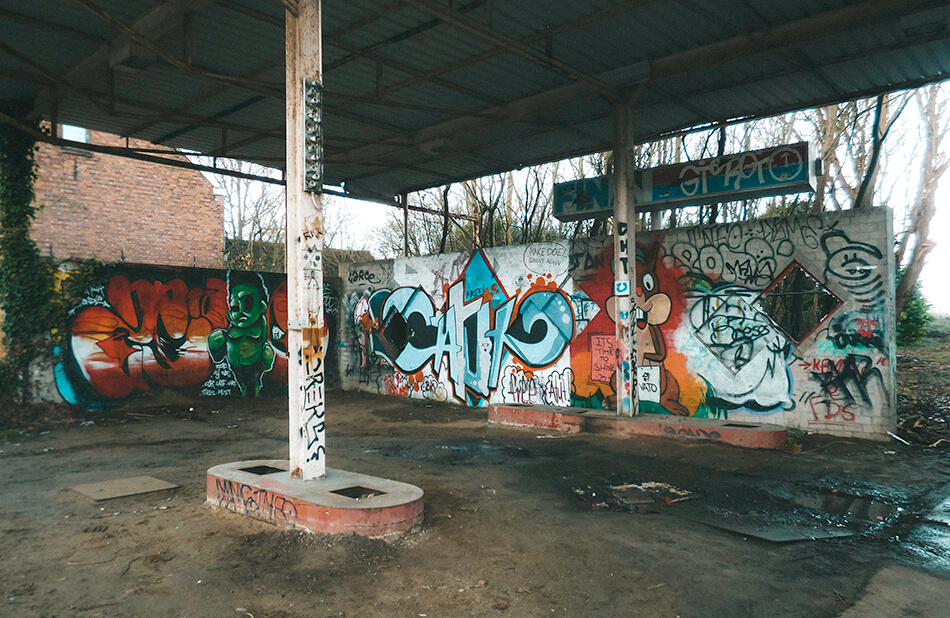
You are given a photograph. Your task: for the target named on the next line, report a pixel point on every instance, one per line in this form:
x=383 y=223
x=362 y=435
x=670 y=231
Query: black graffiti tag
x=259 y=503
x=691 y=432
x=363 y=276
x=853 y=373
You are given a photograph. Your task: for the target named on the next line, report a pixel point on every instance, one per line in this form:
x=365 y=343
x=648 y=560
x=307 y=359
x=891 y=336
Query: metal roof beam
x=217 y=116
x=237 y=7
x=48 y=25
x=408 y=70
x=711 y=123
x=130 y=153
x=275 y=132
x=513 y=45
x=793 y=33
x=369 y=52
x=350 y=98
x=564 y=28
x=190 y=103
x=705 y=56
x=99 y=99
x=50 y=78
x=156 y=21
x=392 y=7
x=271 y=91
x=396 y=38
x=510 y=112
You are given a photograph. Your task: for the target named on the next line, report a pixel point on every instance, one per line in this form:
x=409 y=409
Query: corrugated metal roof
x=413 y=101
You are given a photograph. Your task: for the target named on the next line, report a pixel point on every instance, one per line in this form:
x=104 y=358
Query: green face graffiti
x=244 y=343
x=247 y=306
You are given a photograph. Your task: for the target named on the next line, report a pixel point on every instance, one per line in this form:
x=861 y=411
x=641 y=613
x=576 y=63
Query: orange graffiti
x=152 y=332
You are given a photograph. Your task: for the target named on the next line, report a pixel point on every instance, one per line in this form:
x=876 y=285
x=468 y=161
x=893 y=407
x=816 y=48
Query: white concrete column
x=306 y=327
x=624 y=265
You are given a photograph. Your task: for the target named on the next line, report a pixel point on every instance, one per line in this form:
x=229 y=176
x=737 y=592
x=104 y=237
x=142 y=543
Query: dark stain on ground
x=454 y=452
x=427 y=412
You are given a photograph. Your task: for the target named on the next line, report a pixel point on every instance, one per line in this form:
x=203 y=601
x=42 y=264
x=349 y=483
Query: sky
x=936 y=274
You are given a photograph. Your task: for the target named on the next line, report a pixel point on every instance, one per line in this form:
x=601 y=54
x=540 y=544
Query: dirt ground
x=505 y=533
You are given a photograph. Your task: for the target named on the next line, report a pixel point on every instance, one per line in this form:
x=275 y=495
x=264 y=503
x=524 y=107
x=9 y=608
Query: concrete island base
x=576 y=420
x=338 y=503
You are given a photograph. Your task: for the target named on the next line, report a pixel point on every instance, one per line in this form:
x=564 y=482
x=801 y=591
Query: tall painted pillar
x=306 y=326
x=624 y=266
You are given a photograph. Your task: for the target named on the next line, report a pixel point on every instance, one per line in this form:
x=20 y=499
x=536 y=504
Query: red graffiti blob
x=152 y=332
x=277 y=317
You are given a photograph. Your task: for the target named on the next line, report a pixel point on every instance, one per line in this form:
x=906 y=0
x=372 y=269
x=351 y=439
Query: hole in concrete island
x=262 y=470
x=358 y=492
x=741 y=425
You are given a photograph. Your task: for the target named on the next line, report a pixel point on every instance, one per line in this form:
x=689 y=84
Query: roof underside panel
x=423 y=92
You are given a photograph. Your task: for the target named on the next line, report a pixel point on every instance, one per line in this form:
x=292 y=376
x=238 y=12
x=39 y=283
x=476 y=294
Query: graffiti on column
x=313 y=339
x=626 y=345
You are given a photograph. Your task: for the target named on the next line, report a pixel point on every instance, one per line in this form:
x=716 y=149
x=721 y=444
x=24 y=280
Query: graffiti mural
x=202 y=332
x=711 y=309
x=738 y=351
x=593 y=351
x=244 y=342
x=480 y=328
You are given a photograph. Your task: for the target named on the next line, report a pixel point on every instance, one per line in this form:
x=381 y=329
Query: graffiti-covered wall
x=142 y=329
x=786 y=320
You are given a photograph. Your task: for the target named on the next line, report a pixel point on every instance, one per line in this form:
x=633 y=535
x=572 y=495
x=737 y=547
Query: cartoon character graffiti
x=852 y=265
x=653 y=308
x=244 y=342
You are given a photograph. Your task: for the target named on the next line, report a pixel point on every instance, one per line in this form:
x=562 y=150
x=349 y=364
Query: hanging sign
x=743 y=176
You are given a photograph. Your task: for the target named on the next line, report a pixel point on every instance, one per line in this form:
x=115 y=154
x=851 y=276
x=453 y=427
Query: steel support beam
x=305 y=319
x=625 y=274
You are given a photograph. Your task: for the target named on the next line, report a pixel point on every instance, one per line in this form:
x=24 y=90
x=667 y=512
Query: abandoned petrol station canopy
x=422 y=92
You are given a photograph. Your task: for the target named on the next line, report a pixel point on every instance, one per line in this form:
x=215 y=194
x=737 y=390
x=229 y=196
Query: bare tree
x=935 y=121
x=254 y=218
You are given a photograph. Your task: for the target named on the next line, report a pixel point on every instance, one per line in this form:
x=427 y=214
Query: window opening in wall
x=75 y=134
x=797 y=302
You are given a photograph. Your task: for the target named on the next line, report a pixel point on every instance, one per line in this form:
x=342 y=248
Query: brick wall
x=118 y=209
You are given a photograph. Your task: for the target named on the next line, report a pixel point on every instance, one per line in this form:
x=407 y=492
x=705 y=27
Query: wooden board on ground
x=119 y=488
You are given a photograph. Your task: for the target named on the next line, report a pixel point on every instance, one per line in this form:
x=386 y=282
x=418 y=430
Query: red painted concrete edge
x=654 y=425
x=288 y=512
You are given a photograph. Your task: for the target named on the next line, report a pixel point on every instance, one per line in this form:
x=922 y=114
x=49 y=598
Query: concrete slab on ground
x=119 y=488
x=577 y=420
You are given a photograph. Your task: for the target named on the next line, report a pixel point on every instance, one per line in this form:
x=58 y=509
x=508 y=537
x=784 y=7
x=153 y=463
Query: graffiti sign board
x=742 y=176
x=587 y=198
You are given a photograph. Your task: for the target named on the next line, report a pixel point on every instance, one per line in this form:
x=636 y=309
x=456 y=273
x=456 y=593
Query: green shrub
x=939 y=328
x=914 y=319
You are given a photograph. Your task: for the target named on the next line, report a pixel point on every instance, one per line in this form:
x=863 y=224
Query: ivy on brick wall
x=26 y=279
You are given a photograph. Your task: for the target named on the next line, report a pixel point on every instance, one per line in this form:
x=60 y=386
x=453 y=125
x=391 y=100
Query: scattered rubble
x=923 y=402
x=629 y=497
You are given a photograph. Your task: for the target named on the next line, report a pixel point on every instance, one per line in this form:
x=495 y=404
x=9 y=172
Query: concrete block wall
x=535 y=324
x=118 y=209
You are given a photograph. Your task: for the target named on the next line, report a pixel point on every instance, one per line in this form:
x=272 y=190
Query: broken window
x=797 y=302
